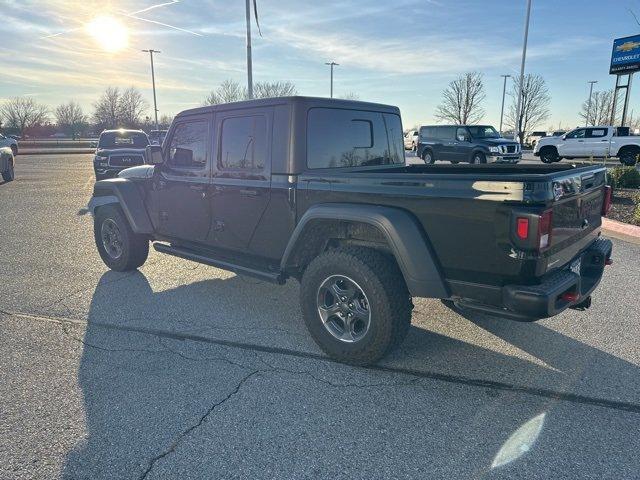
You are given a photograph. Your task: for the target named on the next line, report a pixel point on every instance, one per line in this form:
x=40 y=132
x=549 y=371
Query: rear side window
x=350 y=138
x=244 y=143
x=189 y=145
x=596 y=132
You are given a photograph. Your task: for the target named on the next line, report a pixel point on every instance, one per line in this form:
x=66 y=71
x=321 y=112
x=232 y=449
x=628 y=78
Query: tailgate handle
x=249 y=193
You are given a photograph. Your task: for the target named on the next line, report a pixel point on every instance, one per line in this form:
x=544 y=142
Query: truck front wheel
x=355 y=304
x=120 y=248
x=549 y=155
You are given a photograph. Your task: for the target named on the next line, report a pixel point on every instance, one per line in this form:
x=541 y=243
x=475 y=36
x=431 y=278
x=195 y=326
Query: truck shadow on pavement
x=145 y=396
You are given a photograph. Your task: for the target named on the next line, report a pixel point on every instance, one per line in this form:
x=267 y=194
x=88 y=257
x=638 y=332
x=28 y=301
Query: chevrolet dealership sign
x=625 y=57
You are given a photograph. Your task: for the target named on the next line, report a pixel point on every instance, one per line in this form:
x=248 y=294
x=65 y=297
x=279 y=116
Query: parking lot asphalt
x=183 y=371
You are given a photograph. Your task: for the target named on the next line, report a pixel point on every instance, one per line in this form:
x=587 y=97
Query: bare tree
x=228 y=91
x=461 y=100
x=70 y=118
x=231 y=91
x=23 y=113
x=107 y=109
x=165 y=121
x=131 y=108
x=274 y=89
x=600 y=111
x=116 y=109
x=535 y=104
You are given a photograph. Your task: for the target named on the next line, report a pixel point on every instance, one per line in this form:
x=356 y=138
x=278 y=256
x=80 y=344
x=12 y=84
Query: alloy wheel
x=111 y=238
x=343 y=308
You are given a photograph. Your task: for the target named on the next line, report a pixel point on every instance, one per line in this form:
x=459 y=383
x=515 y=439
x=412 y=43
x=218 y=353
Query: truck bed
x=468 y=211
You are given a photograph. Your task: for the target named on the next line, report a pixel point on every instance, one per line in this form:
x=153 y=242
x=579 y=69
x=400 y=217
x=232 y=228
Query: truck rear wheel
x=428 y=157
x=355 y=304
x=120 y=248
x=629 y=156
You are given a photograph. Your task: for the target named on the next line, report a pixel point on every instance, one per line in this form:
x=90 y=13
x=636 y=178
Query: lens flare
x=109 y=33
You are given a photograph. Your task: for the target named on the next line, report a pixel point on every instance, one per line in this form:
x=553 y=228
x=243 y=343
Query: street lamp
x=332 y=64
x=249 y=60
x=586 y=124
x=524 y=58
x=153 y=82
x=504 y=91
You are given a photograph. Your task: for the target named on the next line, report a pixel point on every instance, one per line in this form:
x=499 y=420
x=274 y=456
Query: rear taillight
x=606 y=203
x=522 y=228
x=533 y=232
x=544 y=229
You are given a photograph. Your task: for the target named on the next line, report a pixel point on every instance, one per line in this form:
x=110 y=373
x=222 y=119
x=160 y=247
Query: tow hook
x=583 y=305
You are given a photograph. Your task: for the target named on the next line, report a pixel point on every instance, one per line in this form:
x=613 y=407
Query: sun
x=111 y=34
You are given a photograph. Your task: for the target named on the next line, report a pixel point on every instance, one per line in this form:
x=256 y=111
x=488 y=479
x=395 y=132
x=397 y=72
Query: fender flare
x=405 y=237
x=126 y=194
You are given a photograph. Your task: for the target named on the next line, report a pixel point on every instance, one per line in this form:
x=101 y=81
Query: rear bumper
x=548 y=298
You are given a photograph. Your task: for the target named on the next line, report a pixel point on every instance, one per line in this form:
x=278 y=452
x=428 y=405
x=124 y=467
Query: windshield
x=483 y=131
x=123 y=139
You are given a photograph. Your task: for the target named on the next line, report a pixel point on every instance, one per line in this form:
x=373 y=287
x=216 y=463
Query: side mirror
x=153 y=155
x=462 y=138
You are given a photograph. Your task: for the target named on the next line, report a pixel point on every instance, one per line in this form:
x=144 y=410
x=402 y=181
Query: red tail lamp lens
x=522 y=228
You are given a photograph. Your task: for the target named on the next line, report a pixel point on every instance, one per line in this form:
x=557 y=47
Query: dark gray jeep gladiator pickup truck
x=318 y=190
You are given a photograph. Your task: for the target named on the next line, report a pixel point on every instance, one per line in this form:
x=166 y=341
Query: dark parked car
x=7 y=164
x=466 y=143
x=318 y=190
x=117 y=150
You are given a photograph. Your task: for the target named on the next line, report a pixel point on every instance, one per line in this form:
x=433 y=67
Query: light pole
x=332 y=64
x=524 y=58
x=153 y=82
x=249 y=62
x=586 y=124
x=504 y=91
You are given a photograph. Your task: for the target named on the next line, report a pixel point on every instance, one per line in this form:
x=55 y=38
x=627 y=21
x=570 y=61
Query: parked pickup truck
x=599 y=142
x=318 y=190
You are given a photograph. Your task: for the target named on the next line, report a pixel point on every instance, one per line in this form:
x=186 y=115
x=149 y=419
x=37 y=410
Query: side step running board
x=200 y=258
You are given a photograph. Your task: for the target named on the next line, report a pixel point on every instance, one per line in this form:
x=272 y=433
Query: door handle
x=197 y=188
x=604 y=140
x=580 y=141
x=249 y=193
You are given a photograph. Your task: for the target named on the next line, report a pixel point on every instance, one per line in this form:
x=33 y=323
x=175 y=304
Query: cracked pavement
x=185 y=371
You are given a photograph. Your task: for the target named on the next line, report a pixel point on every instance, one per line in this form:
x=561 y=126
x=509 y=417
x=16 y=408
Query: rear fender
x=403 y=234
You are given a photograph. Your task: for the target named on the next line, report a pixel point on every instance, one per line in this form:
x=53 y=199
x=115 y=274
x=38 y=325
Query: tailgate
x=577 y=214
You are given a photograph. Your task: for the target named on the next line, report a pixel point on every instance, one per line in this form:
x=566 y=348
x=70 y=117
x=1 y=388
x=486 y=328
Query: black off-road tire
x=135 y=247
x=9 y=174
x=14 y=150
x=389 y=303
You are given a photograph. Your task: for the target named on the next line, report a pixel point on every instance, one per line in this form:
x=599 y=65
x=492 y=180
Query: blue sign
x=625 y=57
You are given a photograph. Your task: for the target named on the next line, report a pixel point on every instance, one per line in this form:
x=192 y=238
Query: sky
x=399 y=52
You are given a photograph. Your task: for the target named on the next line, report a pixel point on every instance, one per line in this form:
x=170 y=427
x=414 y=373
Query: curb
x=621 y=231
x=54 y=151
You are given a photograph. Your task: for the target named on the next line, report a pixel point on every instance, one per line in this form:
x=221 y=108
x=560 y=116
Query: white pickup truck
x=585 y=142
